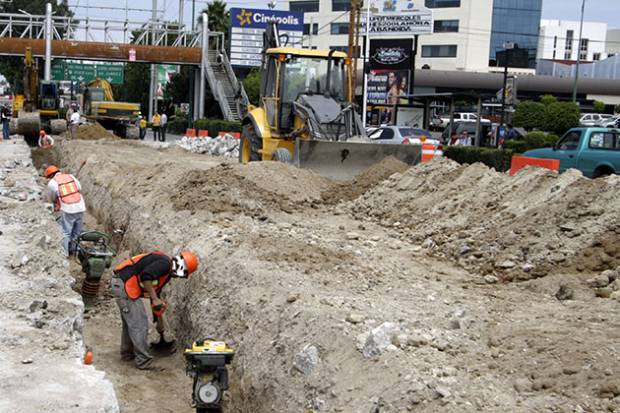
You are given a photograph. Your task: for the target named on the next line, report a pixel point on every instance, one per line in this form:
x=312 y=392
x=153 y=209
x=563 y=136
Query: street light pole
x=583 y=6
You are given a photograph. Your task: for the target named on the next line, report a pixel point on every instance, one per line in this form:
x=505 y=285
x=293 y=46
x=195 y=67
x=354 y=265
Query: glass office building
x=516 y=21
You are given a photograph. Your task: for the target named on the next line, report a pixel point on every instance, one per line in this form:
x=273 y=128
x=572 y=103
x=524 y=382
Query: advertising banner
x=248 y=26
x=397 y=18
x=392 y=54
x=388 y=87
x=164 y=74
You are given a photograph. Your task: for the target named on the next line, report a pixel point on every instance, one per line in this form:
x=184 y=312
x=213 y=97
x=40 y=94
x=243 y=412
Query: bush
x=215 y=126
x=598 y=106
x=177 y=124
x=529 y=115
x=548 y=99
x=533 y=140
x=493 y=158
x=560 y=117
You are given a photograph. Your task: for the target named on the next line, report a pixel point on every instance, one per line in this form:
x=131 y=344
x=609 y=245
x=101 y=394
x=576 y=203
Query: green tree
x=598 y=106
x=251 y=84
x=177 y=90
x=12 y=66
x=219 y=17
x=529 y=115
x=548 y=99
x=561 y=116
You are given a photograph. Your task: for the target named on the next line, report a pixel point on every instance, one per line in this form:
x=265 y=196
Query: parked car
x=613 y=122
x=591 y=119
x=594 y=151
x=444 y=120
x=403 y=135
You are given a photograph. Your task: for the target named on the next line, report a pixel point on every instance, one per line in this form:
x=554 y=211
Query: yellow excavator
x=99 y=105
x=38 y=107
x=307 y=116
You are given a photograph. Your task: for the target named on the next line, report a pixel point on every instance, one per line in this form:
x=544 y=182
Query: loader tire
x=250 y=146
x=282 y=155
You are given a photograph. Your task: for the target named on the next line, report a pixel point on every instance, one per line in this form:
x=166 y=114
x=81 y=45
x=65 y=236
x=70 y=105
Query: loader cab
x=49 y=100
x=291 y=73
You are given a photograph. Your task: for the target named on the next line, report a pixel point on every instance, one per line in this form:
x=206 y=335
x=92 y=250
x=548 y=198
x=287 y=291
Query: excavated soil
x=92 y=131
x=369 y=306
x=515 y=227
x=377 y=173
x=250 y=189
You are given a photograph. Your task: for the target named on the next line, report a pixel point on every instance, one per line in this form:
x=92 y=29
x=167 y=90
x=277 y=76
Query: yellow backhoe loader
x=306 y=114
x=38 y=107
x=99 y=104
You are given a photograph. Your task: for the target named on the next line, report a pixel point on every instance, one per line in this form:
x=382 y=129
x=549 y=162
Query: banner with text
x=248 y=26
x=393 y=54
x=397 y=18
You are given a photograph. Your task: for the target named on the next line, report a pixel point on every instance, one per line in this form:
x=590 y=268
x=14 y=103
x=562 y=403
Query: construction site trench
x=434 y=288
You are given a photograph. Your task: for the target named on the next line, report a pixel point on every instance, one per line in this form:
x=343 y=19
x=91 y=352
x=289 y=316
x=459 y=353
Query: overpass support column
x=47 y=73
x=203 y=64
x=197 y=94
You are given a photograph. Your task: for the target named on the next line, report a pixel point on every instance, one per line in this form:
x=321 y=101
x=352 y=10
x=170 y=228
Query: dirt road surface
x=443 y=288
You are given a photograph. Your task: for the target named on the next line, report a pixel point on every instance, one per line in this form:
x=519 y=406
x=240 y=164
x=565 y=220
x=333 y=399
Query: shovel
x=162 y=344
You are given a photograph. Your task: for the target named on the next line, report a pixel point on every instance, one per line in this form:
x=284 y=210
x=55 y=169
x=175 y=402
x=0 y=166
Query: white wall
x=554 y=32
x=472 y=41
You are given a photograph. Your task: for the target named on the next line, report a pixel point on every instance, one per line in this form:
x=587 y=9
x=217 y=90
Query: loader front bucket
x=343 y=161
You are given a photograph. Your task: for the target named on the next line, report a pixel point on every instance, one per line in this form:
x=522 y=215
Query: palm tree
x=219 y=17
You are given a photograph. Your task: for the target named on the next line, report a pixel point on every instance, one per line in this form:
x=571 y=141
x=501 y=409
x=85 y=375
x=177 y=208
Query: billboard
x=388 y=87
x=247 y=28
x=164 y=74
x=397 y=18
x=392 y=54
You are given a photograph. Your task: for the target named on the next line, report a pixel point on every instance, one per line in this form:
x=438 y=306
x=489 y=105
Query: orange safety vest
x=67 y=189
x=133 y=285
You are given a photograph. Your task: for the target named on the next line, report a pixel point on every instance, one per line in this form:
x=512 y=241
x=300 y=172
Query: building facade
x=612 y=42
x=518 y=22
x=559 y=40
x=466 y=35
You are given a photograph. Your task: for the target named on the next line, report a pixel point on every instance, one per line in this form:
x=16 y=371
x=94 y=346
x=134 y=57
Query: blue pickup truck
x=594 y=151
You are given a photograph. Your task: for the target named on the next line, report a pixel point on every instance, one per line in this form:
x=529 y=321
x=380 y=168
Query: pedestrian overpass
x=129 y=41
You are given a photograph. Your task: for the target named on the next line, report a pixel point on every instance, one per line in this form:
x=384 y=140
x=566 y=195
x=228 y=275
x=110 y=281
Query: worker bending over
x=45 y=141
x=145 y=276
x=63 y=190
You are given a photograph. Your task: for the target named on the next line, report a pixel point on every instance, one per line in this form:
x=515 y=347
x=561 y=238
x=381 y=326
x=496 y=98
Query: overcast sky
x=607 y=11
x=596 y=10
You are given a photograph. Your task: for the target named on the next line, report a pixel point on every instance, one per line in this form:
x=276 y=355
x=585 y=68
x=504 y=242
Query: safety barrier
x=429 y=151
x=236 y=135
x=203 y=133
x=190 y=133
x=519 y=162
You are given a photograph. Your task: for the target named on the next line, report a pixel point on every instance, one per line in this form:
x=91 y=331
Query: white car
x=404 y=135
x=612 y=122
x=461 y=117
x=592 y=119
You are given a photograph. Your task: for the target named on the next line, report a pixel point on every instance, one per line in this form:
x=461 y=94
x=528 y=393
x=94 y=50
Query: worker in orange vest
x=144 y=276
x=63 y=190
x=45 y=141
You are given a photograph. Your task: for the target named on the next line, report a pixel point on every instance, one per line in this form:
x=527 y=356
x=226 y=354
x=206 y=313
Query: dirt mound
x=516 y=227
x=377 y=173
x=253 y=189
x=94 y=131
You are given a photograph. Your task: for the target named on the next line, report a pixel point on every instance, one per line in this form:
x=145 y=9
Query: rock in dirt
x=564 y=293
x=598 y=281
x=610 y=389
x=355 y=318
x=306 y=360
x=379 y=339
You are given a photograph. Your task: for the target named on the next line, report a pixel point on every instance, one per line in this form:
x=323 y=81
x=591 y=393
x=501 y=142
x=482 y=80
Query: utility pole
x=354 y=41
x=181 y=7
x=366 y=51
x=153 y=84
x=583 y=6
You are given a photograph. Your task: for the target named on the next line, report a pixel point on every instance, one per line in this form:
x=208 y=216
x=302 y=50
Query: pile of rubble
x=226 y=146
x=41 y=321
x=505 y=227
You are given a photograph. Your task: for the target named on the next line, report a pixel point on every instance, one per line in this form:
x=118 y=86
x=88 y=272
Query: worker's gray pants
x=134 y=340
x=73 y=128
x=71 y=228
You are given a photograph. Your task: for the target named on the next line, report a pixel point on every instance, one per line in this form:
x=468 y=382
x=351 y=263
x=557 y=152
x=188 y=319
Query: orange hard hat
x=42 y=133
x=191 y=261
x=51 y=170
